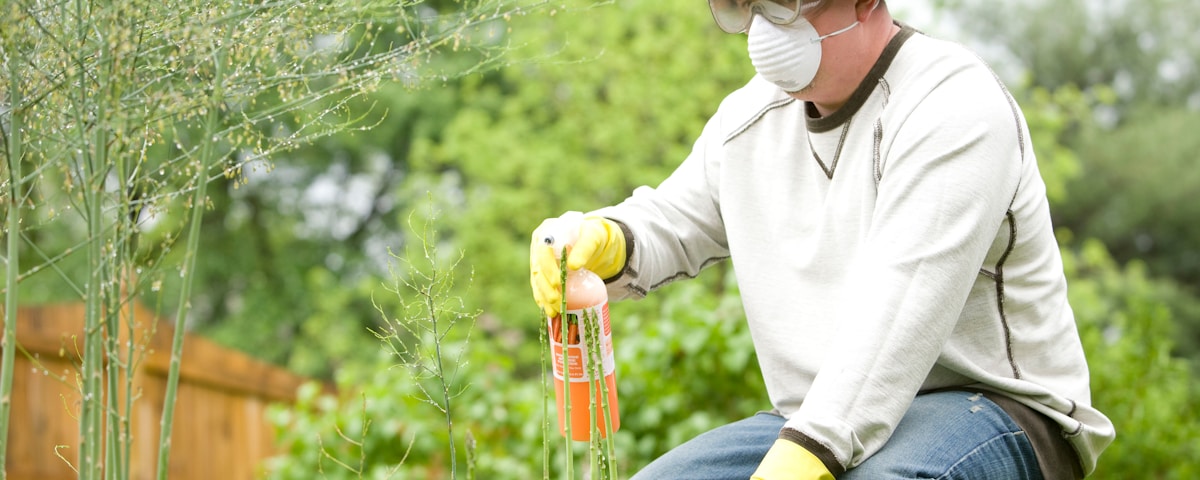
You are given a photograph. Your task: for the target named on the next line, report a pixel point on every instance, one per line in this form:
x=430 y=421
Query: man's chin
x=802 y=94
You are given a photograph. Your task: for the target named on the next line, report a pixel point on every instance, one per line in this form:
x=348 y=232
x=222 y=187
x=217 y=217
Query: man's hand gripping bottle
x=585 y=316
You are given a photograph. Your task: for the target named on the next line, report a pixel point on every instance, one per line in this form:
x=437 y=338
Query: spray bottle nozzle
x=561 y=232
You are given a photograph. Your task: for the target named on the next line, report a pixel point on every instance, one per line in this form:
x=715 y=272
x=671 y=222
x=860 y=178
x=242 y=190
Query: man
x=878 y=195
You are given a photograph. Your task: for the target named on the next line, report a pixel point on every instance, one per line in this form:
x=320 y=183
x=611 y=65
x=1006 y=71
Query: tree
x=1145 y=51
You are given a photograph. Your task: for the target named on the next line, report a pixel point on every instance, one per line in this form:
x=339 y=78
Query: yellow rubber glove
x=599 y=247
x=787 y=460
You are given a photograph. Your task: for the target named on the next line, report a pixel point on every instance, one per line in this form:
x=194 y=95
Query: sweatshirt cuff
x=818 y=449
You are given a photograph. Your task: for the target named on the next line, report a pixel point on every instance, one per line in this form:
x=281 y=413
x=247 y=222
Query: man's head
x=816 y=50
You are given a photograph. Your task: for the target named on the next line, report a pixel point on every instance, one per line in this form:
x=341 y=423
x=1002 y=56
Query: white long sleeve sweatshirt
x=901 y=244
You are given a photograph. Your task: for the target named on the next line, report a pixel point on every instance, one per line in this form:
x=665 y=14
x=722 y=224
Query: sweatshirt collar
x=818 y=124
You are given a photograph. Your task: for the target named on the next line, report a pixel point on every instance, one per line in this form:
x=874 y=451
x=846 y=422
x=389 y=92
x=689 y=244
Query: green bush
x=1127 y=331
x=378 y=424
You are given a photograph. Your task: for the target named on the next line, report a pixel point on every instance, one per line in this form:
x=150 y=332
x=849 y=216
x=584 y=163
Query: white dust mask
x=787 y=55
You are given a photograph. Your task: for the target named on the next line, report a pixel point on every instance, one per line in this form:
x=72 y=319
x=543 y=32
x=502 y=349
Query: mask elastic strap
x=839 y=32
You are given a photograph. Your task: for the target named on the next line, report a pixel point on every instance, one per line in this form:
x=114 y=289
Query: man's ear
x=864 y=8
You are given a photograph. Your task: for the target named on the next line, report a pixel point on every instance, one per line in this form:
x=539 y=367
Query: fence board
x=39 y=401
x=220 y=428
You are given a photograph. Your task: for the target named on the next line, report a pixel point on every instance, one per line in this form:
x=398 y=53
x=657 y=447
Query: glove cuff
x=628 y=243
x=817 y=449
x=788 y=460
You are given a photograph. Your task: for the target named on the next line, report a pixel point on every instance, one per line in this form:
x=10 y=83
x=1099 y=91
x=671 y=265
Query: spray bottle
x=586 y=304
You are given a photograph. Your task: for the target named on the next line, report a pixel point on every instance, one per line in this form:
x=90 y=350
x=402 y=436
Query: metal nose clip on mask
x=787 y=55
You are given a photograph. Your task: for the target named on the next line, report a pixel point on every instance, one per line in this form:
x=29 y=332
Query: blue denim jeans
x=944 y=435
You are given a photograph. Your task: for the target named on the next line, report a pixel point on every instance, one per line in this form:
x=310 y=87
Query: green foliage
x=406 y=437
x=698 y=338
x=437 y=404
x=417 y=333
x=1126 y=329
x=1051 y=115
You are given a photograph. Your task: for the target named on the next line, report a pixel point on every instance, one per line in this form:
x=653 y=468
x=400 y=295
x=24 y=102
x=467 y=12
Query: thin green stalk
x=112 y=364
x=105 y=266
x=593 y=373
x=603 y=445
x=95 y=158
x=602 y=457
x=89 y=167
x=113 y=469
x=15 y=149
x=118 y=441
x=542 y=338
x=124 y=432
x=120 y=371
x=90 y=417
x=207 y=154
x=609 y=448
x=564 y=327
x=127 y=165
x=441 y=375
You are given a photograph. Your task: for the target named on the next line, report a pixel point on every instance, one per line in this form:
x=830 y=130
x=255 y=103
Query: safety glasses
x=734 y=16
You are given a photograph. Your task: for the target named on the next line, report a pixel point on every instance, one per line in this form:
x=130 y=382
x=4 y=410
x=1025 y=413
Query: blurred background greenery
x=599 y=98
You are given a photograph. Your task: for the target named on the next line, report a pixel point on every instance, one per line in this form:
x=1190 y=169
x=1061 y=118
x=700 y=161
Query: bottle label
x=579 y=324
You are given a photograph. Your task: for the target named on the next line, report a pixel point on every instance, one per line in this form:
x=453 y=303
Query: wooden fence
x=220 y=429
